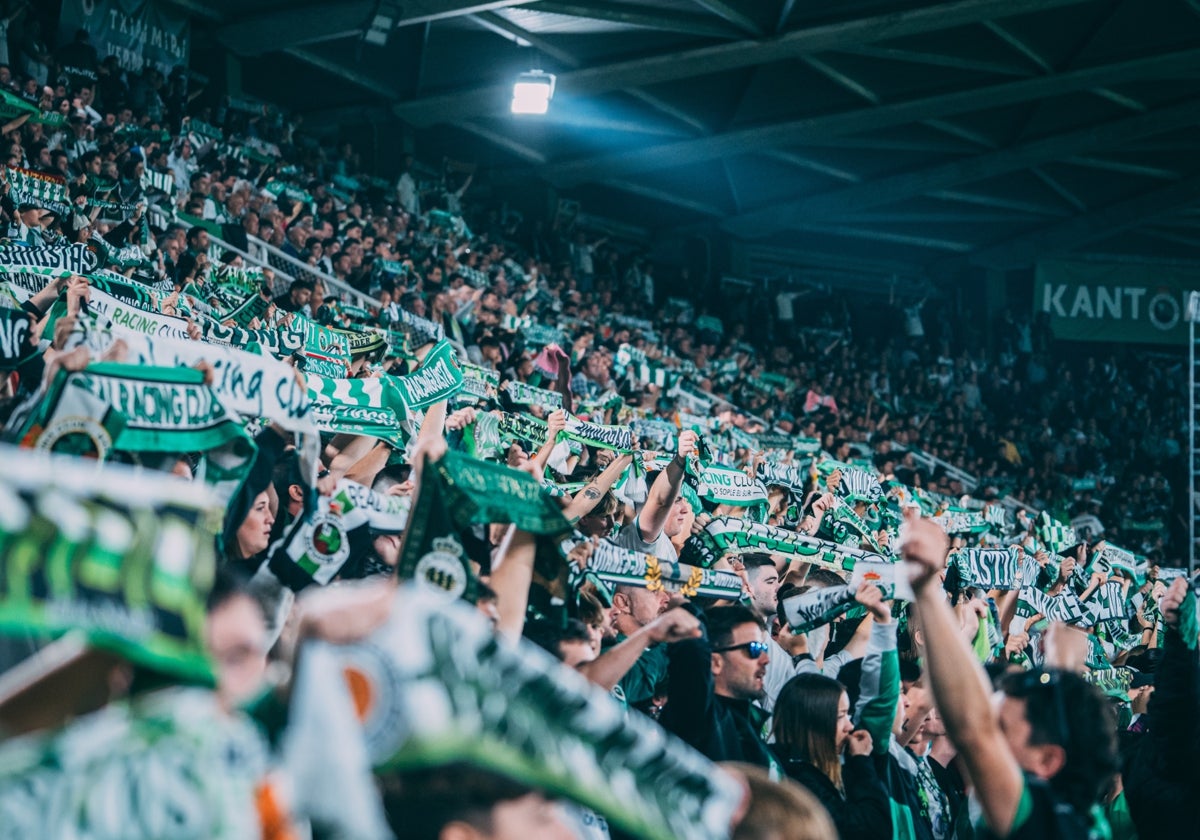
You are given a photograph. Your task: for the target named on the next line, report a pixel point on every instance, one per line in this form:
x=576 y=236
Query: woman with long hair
x=818 y=746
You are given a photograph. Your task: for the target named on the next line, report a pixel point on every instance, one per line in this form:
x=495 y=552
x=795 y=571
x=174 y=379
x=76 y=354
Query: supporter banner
x=126 y=557
x=72 y=259
x=137 y=32
x=725 y=535
x=988 y=568
x=624 y=567
x=437 y=688
x=1091 y=301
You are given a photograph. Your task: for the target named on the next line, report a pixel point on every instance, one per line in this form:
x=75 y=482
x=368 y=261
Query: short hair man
x=713 y=682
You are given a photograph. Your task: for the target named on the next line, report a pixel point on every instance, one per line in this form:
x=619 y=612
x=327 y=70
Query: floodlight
x=532 y=92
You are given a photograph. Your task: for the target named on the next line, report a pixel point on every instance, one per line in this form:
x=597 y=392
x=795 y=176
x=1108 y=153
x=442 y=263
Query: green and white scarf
x=725 y=535
x=617 y=566
x=729 y=486
x=16 y=339
x=988 y=568
x=445 y=691
x=817 y=607
x=339 y=531
x=523 y=394
x=252 y=386
x=153 y=411
x=438 y=378
x=479 y=383
x=189 y=769
x=71 y=259
x=29 y=187
x=163 y=182
x=126 y=557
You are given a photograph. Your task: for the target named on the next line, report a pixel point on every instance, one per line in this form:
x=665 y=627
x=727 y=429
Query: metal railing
x=264 y=255
x=294 y=268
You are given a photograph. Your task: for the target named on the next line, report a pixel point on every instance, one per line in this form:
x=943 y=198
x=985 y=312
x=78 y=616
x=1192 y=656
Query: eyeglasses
x=754 y=650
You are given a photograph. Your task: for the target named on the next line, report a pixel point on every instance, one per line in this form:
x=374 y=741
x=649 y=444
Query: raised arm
x=610 y=667
x=653 y=516
x=586 y=499
x=959 y=685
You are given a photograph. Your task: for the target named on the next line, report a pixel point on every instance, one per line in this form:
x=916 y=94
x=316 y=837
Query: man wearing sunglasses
x=1042 y=757
x=714 y=681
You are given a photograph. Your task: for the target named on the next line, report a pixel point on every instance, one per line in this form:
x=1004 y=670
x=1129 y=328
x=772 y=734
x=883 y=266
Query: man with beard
x=714 y=681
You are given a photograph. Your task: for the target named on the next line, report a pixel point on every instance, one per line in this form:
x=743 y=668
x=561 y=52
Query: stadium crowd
x=475 y=515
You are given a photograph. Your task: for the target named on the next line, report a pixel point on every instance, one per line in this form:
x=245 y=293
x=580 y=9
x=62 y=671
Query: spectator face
x=575 y=653
x=735 y=673
x=641 y=605
x=597 y=524
x=764 y=585
x=844 y=724
x=677 y=518
x=237 y=639
x=255 y=532
x=301 y=297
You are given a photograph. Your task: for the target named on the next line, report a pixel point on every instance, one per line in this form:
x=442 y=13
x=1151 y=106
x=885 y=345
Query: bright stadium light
x=532 y=92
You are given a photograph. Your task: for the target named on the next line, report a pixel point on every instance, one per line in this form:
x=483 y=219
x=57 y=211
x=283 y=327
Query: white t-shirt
x=630 y=537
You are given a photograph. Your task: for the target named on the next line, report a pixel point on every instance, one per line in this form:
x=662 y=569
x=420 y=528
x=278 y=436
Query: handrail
x=280 y=261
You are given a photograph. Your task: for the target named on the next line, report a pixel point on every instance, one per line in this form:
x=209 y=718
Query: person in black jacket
x=714 y=680
x=813 y=730
x=1162 y=783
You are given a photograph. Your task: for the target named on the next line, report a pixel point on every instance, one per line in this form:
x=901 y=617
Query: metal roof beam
x=341 y=71
x=1088 y=227
x=797 y=132
x=299 y=24
x=662 y=20
x=903 y=186
x=907 y=185
x=954 y=62
x=656 y=69
x=730 y=12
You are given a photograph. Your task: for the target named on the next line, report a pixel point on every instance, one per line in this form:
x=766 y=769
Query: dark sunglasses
x=753 y=649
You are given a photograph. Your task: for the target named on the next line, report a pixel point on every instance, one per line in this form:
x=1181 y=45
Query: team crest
x=441 y=570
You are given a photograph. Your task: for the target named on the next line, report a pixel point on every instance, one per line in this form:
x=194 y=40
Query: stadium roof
x=888 y=134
